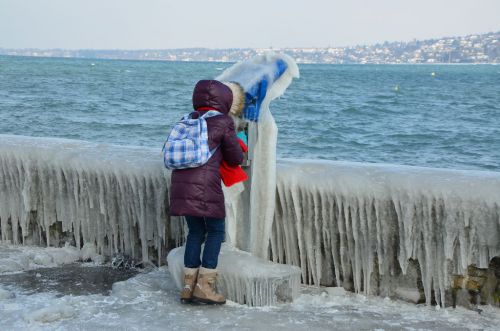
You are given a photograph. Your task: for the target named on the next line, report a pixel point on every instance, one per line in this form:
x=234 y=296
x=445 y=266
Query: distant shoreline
x=471 y=49
x=229 y=62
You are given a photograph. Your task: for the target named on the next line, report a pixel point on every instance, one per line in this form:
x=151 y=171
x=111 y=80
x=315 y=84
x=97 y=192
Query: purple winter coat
x=198 y=191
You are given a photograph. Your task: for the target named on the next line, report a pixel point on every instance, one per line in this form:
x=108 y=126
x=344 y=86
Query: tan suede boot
x=190 y=276
x=204 y=291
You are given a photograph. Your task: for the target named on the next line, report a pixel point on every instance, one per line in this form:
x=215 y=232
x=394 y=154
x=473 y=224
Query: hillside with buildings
x=477 y=48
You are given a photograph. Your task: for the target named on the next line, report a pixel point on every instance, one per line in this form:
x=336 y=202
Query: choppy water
x=337 y=112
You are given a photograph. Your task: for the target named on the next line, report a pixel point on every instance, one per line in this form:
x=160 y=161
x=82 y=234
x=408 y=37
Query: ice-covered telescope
x=263 y=79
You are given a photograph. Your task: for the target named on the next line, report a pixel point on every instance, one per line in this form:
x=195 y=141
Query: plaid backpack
x=187 y=144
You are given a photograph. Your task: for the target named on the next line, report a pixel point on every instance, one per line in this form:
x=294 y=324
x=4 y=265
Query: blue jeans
x=208 y=230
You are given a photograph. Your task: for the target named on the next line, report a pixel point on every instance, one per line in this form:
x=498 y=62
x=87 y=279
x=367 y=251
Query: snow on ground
x=14 y=258
x=149 y=301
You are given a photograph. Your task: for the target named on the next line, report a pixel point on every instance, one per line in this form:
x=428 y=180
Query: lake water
x=425 y=115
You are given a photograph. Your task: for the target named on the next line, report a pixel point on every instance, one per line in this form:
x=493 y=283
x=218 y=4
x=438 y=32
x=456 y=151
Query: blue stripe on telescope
x=256 y=94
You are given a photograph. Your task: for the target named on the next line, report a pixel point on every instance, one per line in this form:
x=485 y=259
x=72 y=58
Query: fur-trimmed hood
x=236 y=111
x=238 y=98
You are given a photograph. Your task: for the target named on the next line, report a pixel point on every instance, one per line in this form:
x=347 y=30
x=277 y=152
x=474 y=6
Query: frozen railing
x=352 y=221
x=115 y=196
x=338 y=221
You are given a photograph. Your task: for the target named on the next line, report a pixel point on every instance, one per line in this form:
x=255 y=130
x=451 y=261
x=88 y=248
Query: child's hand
x=243 y=146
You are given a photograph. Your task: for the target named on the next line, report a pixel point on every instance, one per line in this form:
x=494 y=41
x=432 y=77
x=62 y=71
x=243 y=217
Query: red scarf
x=233 y=174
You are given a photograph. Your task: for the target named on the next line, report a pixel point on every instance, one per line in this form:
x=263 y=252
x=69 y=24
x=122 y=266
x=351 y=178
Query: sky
x=160 y=24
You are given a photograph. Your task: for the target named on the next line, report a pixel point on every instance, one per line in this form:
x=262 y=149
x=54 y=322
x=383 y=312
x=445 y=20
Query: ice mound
x=89 y=253
x=5 y=294
x=14 y=258
x=50 y=314
x=246 y=279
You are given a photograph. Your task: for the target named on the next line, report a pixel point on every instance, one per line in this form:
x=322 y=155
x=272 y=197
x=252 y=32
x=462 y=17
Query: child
x=196 y=193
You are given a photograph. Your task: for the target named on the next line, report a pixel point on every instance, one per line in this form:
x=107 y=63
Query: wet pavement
x=72 y=279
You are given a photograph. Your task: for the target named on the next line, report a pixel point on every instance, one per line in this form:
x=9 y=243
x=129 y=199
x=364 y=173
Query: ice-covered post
x=263 y=78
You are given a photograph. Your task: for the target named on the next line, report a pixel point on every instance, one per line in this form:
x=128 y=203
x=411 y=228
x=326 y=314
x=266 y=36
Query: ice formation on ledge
x=338 y=221
x=115 y=196
x=348 y=218
x=244 y=278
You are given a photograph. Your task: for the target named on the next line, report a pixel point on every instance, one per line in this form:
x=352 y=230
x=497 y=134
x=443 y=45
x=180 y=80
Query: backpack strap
x=211 y=113
x=208 y=114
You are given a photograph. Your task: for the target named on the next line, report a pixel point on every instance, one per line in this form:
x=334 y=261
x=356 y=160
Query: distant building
x=484 y=48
